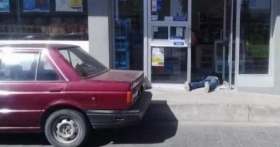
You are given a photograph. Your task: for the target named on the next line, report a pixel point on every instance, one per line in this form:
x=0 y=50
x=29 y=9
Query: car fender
x=61 y=103
x=64 y=102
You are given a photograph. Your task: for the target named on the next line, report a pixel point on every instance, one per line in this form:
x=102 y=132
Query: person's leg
x=208 y=82
x=211 y=84
x=207 y=86
x=194 y=85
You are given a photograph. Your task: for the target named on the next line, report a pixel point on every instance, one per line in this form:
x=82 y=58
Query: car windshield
x=82 y=62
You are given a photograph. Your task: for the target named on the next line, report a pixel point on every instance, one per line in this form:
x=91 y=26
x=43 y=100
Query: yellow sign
x=76 y=4
x=157 y=61
x=158 y=57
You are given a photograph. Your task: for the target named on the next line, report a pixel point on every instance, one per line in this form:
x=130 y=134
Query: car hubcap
x=66 y=131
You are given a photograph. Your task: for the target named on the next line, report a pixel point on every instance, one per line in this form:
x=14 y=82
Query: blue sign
x=178 y=43
x=159 y=4
x=177 y=37
x=4 y=5
x=36 y=6
x=180 y=18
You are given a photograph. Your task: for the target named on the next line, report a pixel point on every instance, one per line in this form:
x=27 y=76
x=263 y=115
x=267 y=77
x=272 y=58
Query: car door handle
x=55 y=89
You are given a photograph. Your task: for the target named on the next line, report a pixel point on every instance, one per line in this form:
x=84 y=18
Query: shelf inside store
x=121 y=50
x=121 y=37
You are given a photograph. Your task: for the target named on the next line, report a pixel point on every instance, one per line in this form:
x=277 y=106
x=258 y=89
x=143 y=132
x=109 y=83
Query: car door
x=29 y=82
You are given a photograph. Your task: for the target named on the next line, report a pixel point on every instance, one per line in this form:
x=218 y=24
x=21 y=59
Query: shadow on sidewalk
x=23 y=139
x=149 y=131
x=154 y=128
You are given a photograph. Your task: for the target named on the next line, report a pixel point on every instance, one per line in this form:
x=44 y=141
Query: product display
x=129 y=28
x=25 y=22
x=122 y=49
x=53 y=27
x=69 y=5
x=36 y=6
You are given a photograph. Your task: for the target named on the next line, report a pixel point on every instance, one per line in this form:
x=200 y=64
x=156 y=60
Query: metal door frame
x=236 y=40
x=147 y=38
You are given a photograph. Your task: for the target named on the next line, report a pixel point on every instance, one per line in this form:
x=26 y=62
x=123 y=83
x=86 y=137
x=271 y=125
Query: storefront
x=157 y=36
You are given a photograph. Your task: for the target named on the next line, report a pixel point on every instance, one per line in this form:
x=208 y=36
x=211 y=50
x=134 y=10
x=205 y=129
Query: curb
x=212 y=113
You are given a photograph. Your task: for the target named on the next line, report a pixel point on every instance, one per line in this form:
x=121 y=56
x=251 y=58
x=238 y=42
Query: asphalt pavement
x=185 y=134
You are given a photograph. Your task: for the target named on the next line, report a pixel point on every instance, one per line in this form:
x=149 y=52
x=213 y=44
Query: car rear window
x=82 y=62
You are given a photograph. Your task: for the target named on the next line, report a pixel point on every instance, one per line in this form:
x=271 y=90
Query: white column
x=98 y=28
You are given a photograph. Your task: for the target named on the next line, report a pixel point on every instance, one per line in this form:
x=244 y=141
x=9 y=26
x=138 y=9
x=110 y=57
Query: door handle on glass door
x=187 y=35
x=56 y=89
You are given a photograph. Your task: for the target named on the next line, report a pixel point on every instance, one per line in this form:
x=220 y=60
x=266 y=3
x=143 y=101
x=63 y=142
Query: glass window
x=44 y=20
x=25 y=67
x=177 y=32
x=169 y=10
x=45 y=71
x=160 y=32
x=82 y=62
x=22 y=69
x=129 y=32
x=169 y=65
x=255 y=32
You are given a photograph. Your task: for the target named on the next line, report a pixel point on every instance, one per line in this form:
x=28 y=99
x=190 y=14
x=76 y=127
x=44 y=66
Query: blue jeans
x=213 y=83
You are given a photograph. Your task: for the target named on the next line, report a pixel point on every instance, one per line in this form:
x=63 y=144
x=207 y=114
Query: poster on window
x=154 y=5
x=158 y=56
x=36 y=6
x=69 y=5
x=4 y=5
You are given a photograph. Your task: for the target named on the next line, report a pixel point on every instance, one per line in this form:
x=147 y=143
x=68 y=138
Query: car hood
x=119 y=76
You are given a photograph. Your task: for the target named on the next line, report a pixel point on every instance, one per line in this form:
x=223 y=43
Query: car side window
x=25 y=67
x=18 y=66
x=45 y=71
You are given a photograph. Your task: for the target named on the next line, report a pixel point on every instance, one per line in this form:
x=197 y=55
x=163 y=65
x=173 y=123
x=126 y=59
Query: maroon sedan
x=63 y=91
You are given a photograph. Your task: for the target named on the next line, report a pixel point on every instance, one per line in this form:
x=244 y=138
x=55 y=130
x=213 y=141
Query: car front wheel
x=66 y=128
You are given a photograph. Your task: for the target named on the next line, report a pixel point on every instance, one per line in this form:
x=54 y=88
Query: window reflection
x=129 y=34
x=44 y=20
x=255 y=32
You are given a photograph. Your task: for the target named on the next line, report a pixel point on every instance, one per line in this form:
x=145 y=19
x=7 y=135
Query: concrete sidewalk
x=220 y=105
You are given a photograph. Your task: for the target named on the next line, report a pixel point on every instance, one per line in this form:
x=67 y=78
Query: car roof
x=37 y=46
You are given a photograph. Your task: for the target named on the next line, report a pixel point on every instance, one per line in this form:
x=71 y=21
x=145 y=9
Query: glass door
x=169 y=35
x=228 y=43
x=227 y=54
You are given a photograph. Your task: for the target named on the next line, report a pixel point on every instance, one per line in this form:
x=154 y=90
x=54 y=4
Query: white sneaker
x=207 y=86
x=187 y=86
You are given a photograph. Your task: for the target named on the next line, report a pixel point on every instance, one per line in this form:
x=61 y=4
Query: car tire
x=67 y=128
